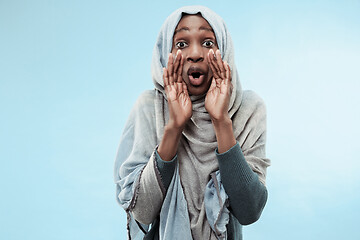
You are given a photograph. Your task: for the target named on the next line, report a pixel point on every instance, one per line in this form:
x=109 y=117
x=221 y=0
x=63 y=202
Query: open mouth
x=196 y=76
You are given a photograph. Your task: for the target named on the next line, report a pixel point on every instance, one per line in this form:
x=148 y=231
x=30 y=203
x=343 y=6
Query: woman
x=191 y=161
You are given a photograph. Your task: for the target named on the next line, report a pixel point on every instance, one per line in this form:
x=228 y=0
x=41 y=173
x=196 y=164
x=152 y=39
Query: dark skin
x=195 y=67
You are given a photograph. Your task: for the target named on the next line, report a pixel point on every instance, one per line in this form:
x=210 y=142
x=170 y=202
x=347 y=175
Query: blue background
x=70 y=71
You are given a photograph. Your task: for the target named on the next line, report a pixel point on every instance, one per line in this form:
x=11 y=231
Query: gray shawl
x=195 y=200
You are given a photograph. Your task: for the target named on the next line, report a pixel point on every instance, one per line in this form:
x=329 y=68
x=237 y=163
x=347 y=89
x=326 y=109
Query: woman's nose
x=195 y=54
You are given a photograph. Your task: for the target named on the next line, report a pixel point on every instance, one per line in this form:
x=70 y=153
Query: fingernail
x=213 y=53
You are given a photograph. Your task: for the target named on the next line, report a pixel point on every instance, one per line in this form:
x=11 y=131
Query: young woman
x=191 y=162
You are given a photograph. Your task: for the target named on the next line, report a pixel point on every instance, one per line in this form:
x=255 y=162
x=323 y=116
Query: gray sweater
x=247 y=195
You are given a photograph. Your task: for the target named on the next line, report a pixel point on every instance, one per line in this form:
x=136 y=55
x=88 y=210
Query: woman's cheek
x=184 y=76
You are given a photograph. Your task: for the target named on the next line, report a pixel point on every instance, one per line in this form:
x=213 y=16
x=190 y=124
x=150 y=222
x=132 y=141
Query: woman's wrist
x=224 y=133
x=173 y=127
x=224 y=121
x=169 y=143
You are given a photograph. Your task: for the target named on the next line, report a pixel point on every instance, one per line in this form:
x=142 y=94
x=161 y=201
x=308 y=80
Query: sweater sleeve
x=166 y=169
x=247 y=195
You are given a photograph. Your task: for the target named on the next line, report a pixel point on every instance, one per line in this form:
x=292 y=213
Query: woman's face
x=194 y=37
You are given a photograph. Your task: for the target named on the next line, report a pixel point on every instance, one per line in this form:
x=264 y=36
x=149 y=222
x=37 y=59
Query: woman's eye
x=208 y=43
x=181 y=44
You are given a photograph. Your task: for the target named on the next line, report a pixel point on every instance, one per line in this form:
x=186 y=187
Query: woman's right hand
x=179 y=102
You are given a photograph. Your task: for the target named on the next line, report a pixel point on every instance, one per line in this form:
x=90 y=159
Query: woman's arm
x=247 y=195
x=179 y=103
x=163 y=164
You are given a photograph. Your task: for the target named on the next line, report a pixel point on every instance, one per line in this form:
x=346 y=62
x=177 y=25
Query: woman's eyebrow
x=206 y=28
x=187 y=29
x=181 y=29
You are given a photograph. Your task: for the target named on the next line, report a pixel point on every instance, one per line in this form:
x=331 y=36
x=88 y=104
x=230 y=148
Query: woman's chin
x=197 y=90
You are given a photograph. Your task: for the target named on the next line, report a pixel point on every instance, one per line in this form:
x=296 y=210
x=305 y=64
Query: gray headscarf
x=164 y=43
x=189 y=201
x=196 y=151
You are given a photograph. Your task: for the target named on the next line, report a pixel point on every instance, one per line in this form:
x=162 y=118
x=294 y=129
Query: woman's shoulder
x=146 y=99
x=144 y=107
x=147 y=95
x=251 y=99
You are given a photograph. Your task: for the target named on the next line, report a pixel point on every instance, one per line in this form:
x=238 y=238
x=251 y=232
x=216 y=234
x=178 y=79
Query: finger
x=208 y=58
x=180 y=69
x=220 y=63
x=165 y=77
x=213 y=61
x=171 y=69
x=227 y=72
x=213 y=70
x=179 y=87
x=211 y=51
x=177 y=60
x=177 y=66
x=171 y=79
x=212 y=86
x=211 y=64
x=174 y=77
x=170 y=64
x=185 y=88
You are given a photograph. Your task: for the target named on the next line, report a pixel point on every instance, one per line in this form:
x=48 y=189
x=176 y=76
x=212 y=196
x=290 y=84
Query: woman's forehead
x=192 y=22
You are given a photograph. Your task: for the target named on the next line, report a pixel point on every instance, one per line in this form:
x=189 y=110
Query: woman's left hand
x=218 y=96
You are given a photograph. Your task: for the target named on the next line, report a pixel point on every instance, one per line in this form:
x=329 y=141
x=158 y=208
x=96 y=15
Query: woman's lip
x=194 y=69
x=196 y=81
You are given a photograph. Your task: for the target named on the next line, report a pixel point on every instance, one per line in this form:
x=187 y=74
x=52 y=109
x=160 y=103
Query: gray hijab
x=192 y=200
x=164 y=42
x=196 y=151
